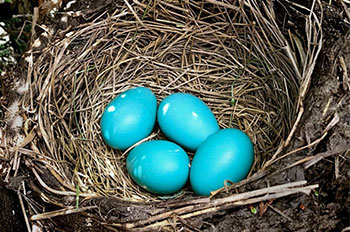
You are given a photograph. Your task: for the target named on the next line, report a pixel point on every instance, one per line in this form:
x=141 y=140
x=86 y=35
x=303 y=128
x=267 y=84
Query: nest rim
x=51 y=80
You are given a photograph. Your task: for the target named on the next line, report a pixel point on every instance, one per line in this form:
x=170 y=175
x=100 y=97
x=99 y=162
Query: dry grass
x=233 y=56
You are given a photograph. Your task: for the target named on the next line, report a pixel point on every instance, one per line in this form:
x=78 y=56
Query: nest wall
x=232 y=56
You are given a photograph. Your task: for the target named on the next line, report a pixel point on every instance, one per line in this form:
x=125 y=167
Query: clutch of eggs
x=162 y=167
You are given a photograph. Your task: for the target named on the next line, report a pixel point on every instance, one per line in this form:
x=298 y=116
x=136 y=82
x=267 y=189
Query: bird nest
x=234 y=57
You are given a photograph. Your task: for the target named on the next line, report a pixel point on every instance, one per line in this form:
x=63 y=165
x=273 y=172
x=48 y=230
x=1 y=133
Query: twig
x=212 y=209
x=139 y=142
x=66 y=193
x=24 y=212
x=159 y=217
x=296 y=163
x=346 y=81
x=332 y=123
x=252 y=178
x=317 y=141
x=279 y=212
x=34 y=21
x=187 y=224
x=336 y=167
x=346 y=9
x=268 y=190
x=134 y=13
x=229 y=6
x=29 y=138
x=320 y=156
x=234 y=200
x=60 y=212
x=326 y=108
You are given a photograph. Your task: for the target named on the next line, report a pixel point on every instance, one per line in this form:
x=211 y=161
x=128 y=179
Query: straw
x=232 y=56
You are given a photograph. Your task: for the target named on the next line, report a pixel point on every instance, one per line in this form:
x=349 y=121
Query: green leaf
x=253 y=210
x=77 y=197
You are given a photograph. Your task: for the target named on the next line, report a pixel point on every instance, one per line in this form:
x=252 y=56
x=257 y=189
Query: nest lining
x=235 y=59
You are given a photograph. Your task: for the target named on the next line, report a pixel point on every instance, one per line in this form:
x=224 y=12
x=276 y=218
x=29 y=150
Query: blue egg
x=158 y=166
x=226 y=155
x=186 y=120
x=129 y=118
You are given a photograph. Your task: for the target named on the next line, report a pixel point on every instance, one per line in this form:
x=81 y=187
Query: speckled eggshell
x=225 y=155
x=159 y=166
x=186 y=120
x=129 y=118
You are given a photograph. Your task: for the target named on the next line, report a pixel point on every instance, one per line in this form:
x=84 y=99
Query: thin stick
x=212 y=209
x=134 y=13
x=346 y=9
x=225 y=5
x=317 y=141
x=66 y=193
x=60 y=212
x=332 y=123
x=346 y=80
x=34 y=21
x=320 y=156
x=336 y=167
x=24 y=212
x=279 y=212
x=238 y=199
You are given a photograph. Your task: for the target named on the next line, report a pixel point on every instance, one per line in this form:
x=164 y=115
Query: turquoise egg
x=129 y=118
x=158 y=166
x=186 y=120
x=226 y=155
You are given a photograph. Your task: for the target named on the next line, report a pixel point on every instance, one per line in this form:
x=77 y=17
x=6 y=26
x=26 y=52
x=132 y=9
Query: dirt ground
x=328 y=208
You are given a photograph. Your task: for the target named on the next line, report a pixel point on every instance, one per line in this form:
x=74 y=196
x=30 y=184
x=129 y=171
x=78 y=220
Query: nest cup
x=233 y=57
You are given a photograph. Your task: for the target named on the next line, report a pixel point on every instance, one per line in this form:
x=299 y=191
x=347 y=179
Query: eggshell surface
x=186 y=120
x=159 y=166
x=129 y=118
x=226 y=155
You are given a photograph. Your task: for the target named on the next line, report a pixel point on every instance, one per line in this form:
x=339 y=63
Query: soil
x=328 y=208
x=11 y=217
